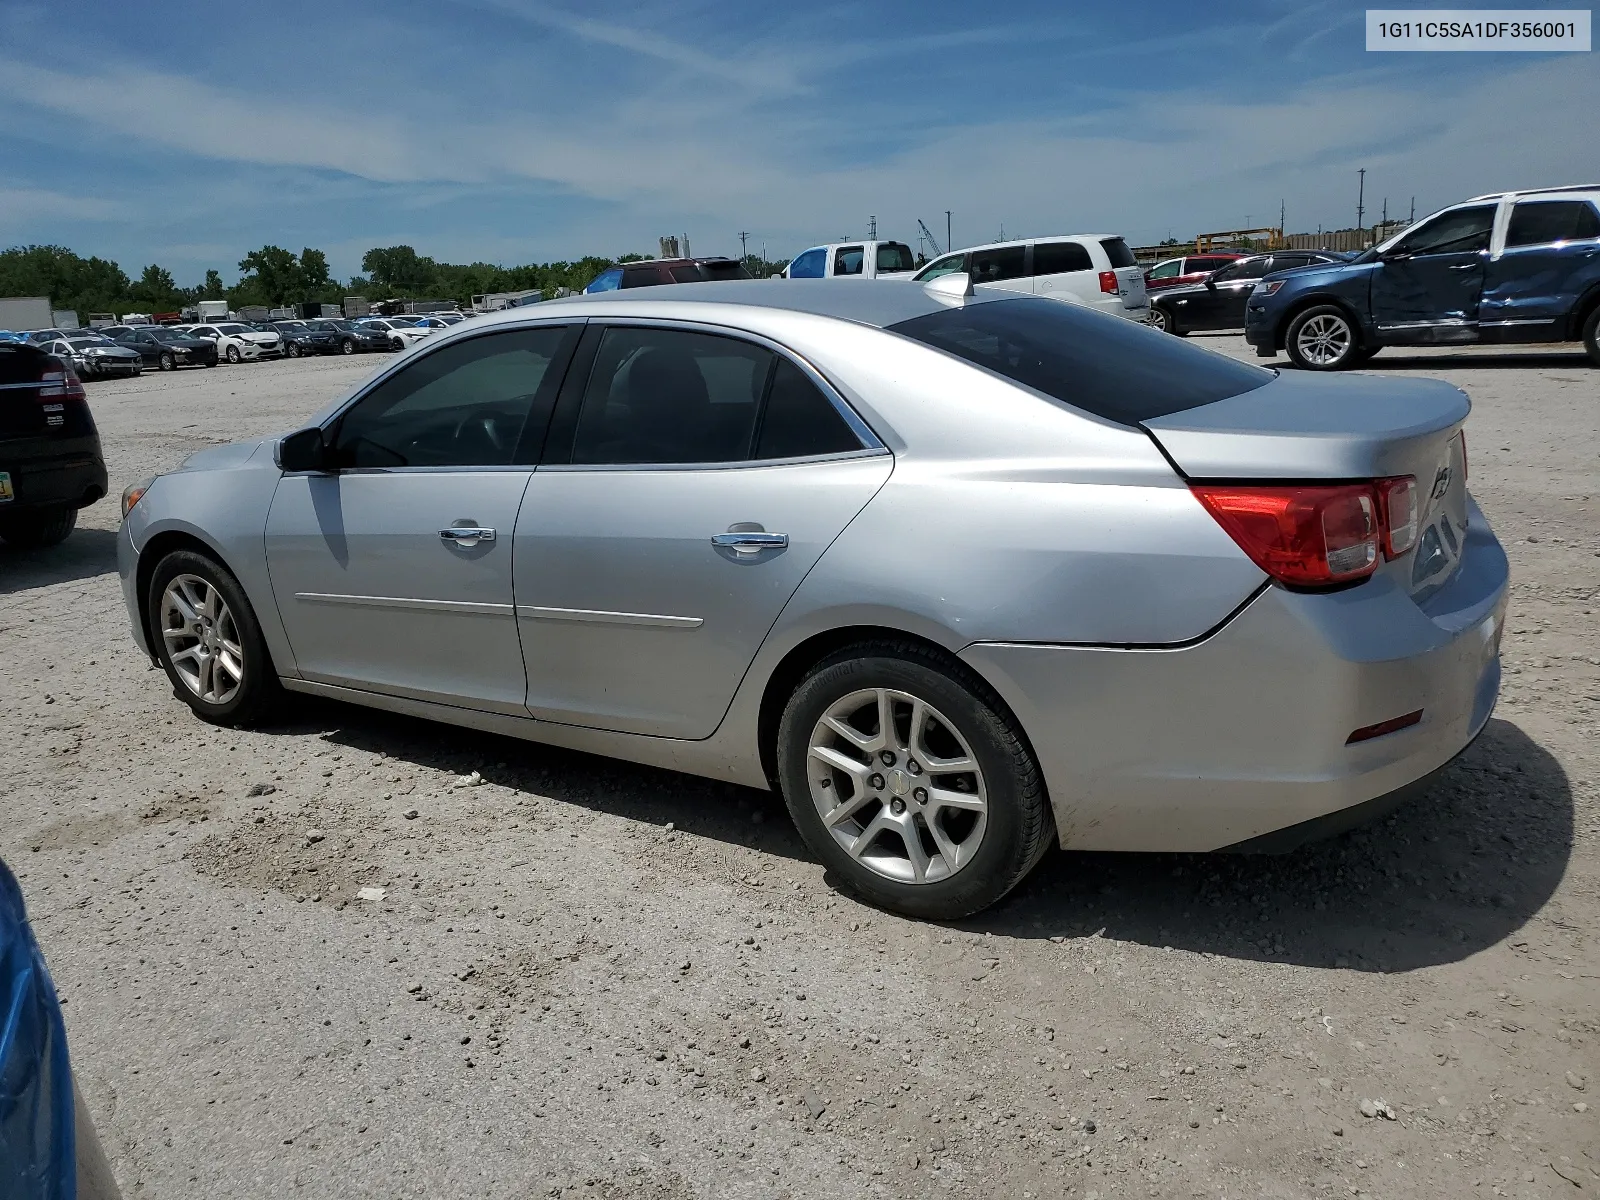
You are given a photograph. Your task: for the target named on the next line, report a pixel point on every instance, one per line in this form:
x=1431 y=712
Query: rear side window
x=1191 y=265
x=687 y=273
x=1107 y=366
x=633 y=277
x=996 y=266
x=1539 y=222
x=813 y=264
x=1117 y=251
x=849 y=260
x=1058 y=258
x=799 y=420
x=895 y=256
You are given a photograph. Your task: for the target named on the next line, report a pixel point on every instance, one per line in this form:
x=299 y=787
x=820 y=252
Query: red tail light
x=1108 y=282
x=61 y=385
x=1398 y=512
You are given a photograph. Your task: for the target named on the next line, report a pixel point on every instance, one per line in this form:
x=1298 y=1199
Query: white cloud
x=23 y=204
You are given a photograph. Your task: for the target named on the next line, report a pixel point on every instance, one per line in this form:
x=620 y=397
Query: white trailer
x=22 y=313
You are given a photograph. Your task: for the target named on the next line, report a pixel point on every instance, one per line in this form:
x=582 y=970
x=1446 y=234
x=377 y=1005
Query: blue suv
x=1514 y=267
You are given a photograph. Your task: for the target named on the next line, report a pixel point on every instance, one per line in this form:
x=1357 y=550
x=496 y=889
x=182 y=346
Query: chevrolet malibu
x=960 y=575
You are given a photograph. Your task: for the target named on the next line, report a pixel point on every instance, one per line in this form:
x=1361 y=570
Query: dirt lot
x=590 y=979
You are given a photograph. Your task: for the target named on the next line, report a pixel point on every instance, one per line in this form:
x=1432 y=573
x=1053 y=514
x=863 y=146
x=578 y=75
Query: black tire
x=348 y=346
x=258 y=693
x=31 y=529
x=1019 y=827
x=397 y=344
x=1591 y=336
x=167 y=363
x=233 y=354
x=1162 y=321
x=294 y=349
x=1342 y=347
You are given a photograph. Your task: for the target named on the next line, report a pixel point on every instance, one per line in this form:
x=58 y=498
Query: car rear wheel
x=907 y=777
x=209 y=641
x=167 y=363
x=233 y=354
x=1323 y=339
x=1591 y=336
x=33 y=528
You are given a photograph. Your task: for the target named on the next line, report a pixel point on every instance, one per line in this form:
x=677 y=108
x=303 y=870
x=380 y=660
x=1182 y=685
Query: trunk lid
x=1327 y=428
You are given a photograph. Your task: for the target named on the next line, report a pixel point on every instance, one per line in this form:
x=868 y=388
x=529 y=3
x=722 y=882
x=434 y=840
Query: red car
x=1191 y=268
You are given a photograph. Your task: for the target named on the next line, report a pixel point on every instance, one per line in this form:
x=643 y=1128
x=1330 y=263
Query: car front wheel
x=347 y=346
x=167 y=363
x=1591 y=336
x=1323 y=339
x=1161 y=319
x=294 y=349
x=910 y=781
x=233 y=354
x=32 y=529
x=209 y=641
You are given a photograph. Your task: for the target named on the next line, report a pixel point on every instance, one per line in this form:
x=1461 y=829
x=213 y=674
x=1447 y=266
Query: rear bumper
x=75 y=478
x=1205 y=746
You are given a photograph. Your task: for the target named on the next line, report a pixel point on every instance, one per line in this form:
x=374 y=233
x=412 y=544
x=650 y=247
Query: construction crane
x=929 y=236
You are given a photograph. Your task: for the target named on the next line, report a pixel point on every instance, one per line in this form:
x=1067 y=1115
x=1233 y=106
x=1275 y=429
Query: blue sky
x=515 y=130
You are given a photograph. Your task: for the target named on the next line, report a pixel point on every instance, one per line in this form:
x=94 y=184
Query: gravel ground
x=583 y=978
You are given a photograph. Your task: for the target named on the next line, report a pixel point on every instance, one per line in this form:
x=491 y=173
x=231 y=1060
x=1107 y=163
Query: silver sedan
x=961 y=576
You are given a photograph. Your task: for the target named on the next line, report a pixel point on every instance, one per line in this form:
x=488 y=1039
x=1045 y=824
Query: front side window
x=1061 y=258
x=1244 y=268
x=1463 y=231
x=1540 y=222
x=813 y=264
x=948 y=265
x=465 y=405
x=668 y=396
x=998 y=265
x=1105 y=365
x=1167 y=270
x=849 y=260
x=895 y=256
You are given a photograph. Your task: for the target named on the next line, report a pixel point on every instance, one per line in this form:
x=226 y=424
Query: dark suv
x=1509 y=268
x=667 y=270
x=1218 y=300
x=50 y=460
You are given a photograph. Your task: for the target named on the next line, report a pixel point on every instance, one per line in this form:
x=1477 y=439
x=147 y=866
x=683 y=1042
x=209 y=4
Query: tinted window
x=463 y=405
x=1117 y=251
x=687 y=273
x=1108 y=366
x=799 y=420
x=1057 y=258
x=813 y=264
x=895 y=256
x=1244 y=268
x=1461 y=231
x=670 y=396
x=996 y=266
x=1537 y=222
x=948 y=265
x=849 y=260
x=1203 y=263
x=633 y=277
x=1284 y=262
x=723 y=270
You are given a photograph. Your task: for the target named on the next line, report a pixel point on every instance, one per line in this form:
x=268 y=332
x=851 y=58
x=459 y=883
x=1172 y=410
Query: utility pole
x=948 y=244
x=1413 y=219
x=872 y=228
x=1361 y=196
x=1283 y=228
x=1386 y=210
x=743 y=237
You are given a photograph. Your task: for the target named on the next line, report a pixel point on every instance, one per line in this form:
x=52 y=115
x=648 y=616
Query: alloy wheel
x=897 y=786
x=1159 y=319
x=1324 y=340
x=202 y=639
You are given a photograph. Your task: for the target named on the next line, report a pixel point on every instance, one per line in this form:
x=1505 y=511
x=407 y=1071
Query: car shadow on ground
x=85 y=554
x=1398 y=359
x=742 y=816
x=1455 y=871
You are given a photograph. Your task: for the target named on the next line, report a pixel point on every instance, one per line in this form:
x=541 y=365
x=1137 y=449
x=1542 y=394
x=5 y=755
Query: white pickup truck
x=859 y=260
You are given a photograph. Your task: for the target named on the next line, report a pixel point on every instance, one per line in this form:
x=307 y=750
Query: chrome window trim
x=743 y=464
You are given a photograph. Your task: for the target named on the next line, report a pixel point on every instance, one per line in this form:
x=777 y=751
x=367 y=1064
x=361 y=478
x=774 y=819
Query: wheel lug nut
x=914 y=766
x=897 y=806
x=876 y=781
x=888 y=758
x=921 y=795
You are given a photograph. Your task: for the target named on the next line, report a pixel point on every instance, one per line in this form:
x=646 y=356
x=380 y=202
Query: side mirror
x=1211 y=284
x=303 y=451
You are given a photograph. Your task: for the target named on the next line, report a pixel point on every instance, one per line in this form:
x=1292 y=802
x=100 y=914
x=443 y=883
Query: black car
x=1218 y=301
x=299 y=338
x=50 y=460
x=161 y=347
x=352 y=337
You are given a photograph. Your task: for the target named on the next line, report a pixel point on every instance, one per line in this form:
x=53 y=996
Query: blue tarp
x=36 y=1133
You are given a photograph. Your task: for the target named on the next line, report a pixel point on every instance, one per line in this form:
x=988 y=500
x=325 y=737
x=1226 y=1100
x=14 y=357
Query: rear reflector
x=1311 y=536
x=1367 y=732
x=1108 y=282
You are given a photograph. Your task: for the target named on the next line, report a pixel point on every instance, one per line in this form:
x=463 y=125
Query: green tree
x=271 y=275
x=212 y=289
x=84 y=285
x=157 y=290
x=314 y=277
x=399 y=270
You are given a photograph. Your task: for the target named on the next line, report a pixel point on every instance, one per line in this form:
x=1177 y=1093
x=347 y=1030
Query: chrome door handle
x=1465 y=267
x=750 y=543
x=466 y=536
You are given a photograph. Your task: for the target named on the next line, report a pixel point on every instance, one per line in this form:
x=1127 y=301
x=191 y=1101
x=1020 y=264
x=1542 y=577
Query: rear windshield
x=895 y=256
x=1109 y=366
x=724 y=270
x=1117 y=251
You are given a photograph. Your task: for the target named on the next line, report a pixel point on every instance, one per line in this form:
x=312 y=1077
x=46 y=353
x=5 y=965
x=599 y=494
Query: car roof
x=674 y=262
x=879 y=303
x=1563 y=190
x=1054 y=237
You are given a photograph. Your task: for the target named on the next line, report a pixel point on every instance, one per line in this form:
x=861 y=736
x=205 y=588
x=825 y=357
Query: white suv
x=1095 y=270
